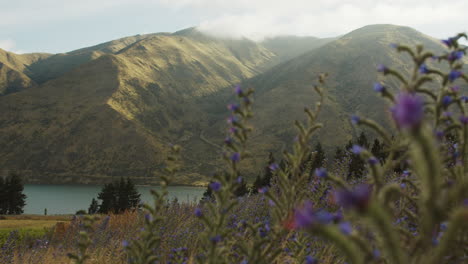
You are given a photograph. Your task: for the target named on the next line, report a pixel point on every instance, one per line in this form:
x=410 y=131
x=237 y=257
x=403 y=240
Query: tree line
x=116 y=197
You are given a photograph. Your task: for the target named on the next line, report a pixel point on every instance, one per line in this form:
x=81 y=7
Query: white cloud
x=7 y=44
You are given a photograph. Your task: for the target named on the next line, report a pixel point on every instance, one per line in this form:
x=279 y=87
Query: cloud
x=10 y=45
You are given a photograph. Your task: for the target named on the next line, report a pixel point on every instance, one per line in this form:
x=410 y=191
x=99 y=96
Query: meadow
x=411 y=207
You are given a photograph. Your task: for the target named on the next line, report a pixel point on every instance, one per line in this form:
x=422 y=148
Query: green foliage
x=84 y=240
x=12 y=199
x=117 y=197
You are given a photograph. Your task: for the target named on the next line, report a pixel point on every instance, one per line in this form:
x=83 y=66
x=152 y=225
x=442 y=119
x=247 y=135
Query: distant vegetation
x=12 y=198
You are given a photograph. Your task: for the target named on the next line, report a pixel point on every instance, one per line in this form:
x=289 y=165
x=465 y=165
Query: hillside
x=112 y=110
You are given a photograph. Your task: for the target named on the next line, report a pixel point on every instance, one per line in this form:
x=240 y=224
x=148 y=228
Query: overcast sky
x=64 y=25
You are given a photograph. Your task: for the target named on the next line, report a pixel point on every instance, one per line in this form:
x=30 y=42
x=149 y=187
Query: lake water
x=67 y=199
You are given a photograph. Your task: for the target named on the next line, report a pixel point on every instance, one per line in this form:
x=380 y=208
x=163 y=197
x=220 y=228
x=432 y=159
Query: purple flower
x=464 y=98
x=125 y=243
x=423 y=69
x=198 y=212
x=232 y=120
x=373 y=160
x=378 y=87
x=235 y=157
x=439 y=134
x=355 y=119
x=408 y=111
x=455 y=55
x=393 y=45
x=346 y=228
x=321 y=172
x=273 y=166
x=216 y=239
x=464 y=119
x=238 y=90
x=382 y=68
x=148 y=217
x=356 y=149
x=376 y=253
x=233 y=107
x=403 y=185
x=240 y=179
x=310 y=260
x=446 y=100
x=233 y=130
x=215 y=186
x=263 y=189
x=357 y=198
x=304 y=216
x=454 y=74
x=448 y=42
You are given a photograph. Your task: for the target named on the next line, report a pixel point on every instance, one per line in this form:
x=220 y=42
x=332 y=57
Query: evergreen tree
x=362 y=141
x=109 y=199
x=242 y=189
x=378 y=151
x=133 y=195
x=208 y=194
x=93 y=207
x=15 y=199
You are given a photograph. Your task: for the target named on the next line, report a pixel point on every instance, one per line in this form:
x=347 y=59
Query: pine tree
x=133 y=195
x=15 y=199
x=242 y=189
x=378 y=151
x=93 y=207
x=109 y=199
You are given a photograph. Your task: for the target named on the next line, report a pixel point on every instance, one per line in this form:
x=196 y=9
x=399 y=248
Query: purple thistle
x=464 y=98
x=216 y=239
x=355 y=119
x=235 y=157
x=446 y=100
x=238 y=90
x=423 y=69
x=233 y=130
x=304 y=216
x=240 y=179
x=233 y=107
x=346 y=228
x=464 y=119
x=232 y=120
x=273 y=166
x=321 y=172
x=378 y=87
x=356 y=149
x=448 y=42
x=454 y=74
x=455 y=89
x=382 y=68
x=439 y=134
x=198 y=212
x=408 y=111
x=263 y=189
x=125 y=243
x=357 y=198
x=215 y=186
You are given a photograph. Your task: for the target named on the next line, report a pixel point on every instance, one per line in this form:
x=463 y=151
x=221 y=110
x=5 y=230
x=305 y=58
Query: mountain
x=112 y=110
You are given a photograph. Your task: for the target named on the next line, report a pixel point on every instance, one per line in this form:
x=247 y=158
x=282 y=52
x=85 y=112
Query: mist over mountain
x=112 y=110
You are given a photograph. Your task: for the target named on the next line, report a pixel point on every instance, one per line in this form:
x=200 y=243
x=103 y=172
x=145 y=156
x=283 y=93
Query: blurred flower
x=356 y=149
x=446 y=100
x=215 y=186
x=232 y=120
x=216 y=239
x=357 y=198
x=233 y=107
x=464 y=98
x=346 y=228
x=455 y=89
x=464 y=119
x=408 y=111
x=455 y=55
x=355 y=119
x=378 y=87
x=373 y=160
x=423 y=69
x=273 y=166
x=454 y=74
x=125 y=243
x=198 y=212
x=382 y=68
x=228 y=141
x=238 y=90
x=235 y=157
x=321 y=172
x=310 y=260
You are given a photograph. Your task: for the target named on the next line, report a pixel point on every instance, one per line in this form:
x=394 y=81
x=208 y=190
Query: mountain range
x=112 y=110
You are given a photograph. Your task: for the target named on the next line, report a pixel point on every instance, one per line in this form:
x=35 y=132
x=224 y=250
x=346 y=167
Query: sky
x=56 y=26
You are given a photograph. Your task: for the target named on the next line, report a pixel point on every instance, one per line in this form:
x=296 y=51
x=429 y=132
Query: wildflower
x=355 y=119
x=373 y=160
x=240 y=179
x=198 y=212
x=233 y=107
x=228 y=141
x=232 y=120
x=382 y=68
x=238 y=90
x=310 y=260
x=376 y=253
x=148 y=217
x=464 y=119
x=321 y=172
x=393 y=45
x=455 y=89
x=273 y=166
x=263 y=189
x=356 y=149
x=408 y=111
x=233 y=130
x=378 y=87
x=125 y=243
x=455 y=55
x=423 y=69
x=446 y=100
x=346 y=228
x=235 y=157
x=357 y=198
x=464 y=98
x=215 y=186
x=449 y=42
x=454 y=74
x=216 y=239
x=439 y=134
x=304 y=216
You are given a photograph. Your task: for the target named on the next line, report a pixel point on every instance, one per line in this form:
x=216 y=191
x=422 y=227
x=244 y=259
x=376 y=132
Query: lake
x=67 y=199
